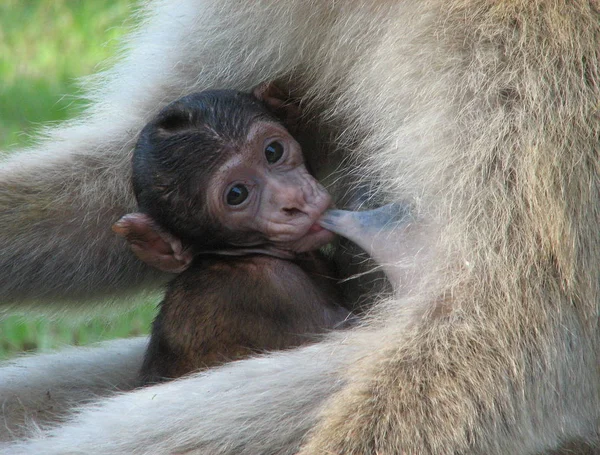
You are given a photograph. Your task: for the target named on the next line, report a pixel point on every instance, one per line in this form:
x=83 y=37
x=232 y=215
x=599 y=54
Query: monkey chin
x=315 y=238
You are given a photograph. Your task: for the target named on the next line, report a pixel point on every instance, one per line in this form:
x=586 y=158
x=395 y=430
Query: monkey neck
x=266 y=250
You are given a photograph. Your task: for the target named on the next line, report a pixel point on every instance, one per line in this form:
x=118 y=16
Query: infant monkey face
x=264 y=194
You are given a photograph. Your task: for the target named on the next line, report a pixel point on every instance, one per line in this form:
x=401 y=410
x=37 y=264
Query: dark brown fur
x=228 y=308
x=229 y=303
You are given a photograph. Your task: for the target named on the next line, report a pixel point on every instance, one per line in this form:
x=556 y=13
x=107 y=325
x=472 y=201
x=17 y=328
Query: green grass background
x=44 y=46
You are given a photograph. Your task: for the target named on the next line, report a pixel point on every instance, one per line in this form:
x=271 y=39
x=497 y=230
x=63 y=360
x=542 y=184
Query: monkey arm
x=36 y=390
x=156 y=412
x=52 y=229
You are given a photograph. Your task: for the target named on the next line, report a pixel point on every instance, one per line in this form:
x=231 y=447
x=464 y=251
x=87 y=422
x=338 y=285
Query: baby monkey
x=226 y=201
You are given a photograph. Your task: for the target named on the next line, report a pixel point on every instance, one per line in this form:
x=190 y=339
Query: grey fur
x=482 y=116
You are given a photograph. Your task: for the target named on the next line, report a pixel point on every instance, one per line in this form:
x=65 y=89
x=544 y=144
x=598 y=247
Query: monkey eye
x=237 y=194
x=273 y=152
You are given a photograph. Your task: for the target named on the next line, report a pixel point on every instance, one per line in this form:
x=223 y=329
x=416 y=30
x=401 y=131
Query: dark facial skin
x=264 y=195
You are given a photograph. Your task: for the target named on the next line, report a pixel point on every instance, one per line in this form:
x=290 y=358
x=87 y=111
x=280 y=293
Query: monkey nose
x=291 y=201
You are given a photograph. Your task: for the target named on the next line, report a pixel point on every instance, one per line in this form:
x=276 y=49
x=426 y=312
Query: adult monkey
x=482 y=115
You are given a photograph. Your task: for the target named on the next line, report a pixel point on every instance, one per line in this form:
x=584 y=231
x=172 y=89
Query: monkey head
x=263 y=194
x=218 y=172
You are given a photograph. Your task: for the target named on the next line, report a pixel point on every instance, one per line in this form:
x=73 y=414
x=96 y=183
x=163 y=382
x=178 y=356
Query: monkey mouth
x=315 y=228
x=315 y=238
x=308 y=233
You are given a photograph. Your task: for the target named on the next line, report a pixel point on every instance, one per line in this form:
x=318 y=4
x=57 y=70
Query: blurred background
x=44 y=47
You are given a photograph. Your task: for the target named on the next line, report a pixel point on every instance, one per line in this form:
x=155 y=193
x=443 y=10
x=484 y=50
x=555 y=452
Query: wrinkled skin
x=284 y=201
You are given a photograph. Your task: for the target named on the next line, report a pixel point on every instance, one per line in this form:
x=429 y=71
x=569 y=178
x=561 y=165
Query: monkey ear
x=151 y=244
x=279 y=103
